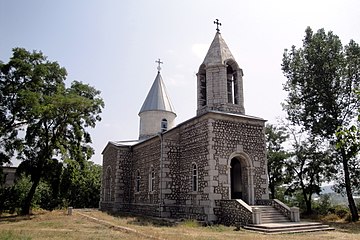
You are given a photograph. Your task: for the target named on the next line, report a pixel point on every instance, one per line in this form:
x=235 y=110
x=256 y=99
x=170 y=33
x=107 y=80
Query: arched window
x=107 y=185
x=202 y=86
x=151 y=179
x=232 y=85
x=164 y=125
x=137 y=183
x=194 y=177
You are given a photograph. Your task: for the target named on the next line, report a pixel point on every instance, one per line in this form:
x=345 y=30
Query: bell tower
x=220 y=80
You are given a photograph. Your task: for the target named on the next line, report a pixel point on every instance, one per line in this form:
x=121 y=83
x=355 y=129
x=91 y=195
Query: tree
x=42 y=118
x=309 y=166
x=348 y=141
x=80 y=184
x=321 y=79
x=276 y=155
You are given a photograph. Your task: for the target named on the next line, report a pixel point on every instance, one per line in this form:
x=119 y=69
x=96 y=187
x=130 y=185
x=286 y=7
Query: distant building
x=9 y=174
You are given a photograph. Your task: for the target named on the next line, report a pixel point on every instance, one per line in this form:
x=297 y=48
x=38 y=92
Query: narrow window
x=164 y=125
x=137 y=181
x=151 y=179
x=107 y=186
x=194 y=177
x=202 y=89
x=232 y=86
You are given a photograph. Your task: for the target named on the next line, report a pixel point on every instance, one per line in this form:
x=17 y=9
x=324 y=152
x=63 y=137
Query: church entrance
x=236 y=179
x=239 y=179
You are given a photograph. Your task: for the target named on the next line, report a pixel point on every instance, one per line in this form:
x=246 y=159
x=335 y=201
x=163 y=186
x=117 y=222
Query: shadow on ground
x=353 y=227
x=145 y=221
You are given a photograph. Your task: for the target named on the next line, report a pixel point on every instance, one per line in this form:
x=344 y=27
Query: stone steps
x=274 y=222
x=288 y=227
x=270 y=214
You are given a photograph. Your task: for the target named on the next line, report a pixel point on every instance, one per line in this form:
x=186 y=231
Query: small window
x=138 y=177
x=107 y=185
x=194 y=177
x=164 y=125
x=151 y=179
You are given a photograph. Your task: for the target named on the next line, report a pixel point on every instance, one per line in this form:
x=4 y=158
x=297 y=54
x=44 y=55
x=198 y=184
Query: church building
x=212 y=167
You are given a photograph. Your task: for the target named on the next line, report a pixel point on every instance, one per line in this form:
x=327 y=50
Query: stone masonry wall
x=109 y=159
x=231 y=135
x=208 y=141
x=145 y=156
x=192 y=148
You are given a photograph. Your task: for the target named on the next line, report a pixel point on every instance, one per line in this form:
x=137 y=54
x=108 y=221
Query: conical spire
x=218 y=52
x=157 y=98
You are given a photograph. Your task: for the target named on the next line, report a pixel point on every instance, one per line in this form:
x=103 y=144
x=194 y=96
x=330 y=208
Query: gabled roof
x=218 y=52
x=157 y=98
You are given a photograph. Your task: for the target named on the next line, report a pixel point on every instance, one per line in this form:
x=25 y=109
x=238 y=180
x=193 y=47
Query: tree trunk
x=307 y=203
x=352 y=205
x=25 y=209
x=272 y=190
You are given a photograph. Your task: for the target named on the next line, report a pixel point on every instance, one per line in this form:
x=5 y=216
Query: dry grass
x=98 y=225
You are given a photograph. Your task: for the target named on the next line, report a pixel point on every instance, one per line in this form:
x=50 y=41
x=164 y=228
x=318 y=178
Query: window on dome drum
x=151 y=179
x=232 y=86
x=194 y=177
x=107 y=186
x=137 y=184
x=164 y=125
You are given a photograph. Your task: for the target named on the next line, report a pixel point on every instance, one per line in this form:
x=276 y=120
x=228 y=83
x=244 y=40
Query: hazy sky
x=112 y=45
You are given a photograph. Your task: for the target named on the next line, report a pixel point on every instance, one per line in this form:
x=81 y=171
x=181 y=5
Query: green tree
x=42 y=118
x=348 y=141
x=276 y=156
x=309 y=167
x=321 y=79
x=80 y=184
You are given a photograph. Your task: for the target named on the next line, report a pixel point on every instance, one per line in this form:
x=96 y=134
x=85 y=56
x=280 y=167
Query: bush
x=341 y=211
x=331 y=218
x=323 y=206
x=191 y=223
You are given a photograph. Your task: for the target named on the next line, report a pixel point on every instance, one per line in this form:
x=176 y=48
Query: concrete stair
x=270 y=214
x=289 y=227
x=274 y=222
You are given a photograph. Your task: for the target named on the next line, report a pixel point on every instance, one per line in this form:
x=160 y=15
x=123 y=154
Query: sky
x=113 y=45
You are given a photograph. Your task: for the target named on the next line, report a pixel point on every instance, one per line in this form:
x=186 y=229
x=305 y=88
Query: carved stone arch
x=231 y=62
x=241 y=177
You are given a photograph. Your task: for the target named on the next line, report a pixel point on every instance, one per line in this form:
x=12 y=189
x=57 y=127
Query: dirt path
x=116 y=227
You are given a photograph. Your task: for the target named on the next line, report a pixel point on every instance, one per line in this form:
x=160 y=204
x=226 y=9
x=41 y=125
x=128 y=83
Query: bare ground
x=93 y=224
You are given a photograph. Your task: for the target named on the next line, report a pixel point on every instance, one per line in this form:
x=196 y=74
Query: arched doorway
x=241 y=178
x=236 y=176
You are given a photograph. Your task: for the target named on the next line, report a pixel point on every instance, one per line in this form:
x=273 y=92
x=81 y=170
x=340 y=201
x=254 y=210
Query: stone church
x=212 y=167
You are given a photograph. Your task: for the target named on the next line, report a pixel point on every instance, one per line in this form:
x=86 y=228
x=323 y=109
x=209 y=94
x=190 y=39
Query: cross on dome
x=159 y=62
x=217 y=25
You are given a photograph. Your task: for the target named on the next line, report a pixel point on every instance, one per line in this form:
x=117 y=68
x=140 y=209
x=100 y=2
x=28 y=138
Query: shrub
x=341 y=211
x=331 y=218
x=190 y=223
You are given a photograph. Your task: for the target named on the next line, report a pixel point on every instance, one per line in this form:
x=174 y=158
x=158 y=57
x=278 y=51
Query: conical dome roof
x=157 y=98
x=218 y=52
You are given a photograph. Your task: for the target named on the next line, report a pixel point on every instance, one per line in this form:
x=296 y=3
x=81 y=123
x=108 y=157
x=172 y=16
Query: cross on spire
x=159 y=62
x=217 y=25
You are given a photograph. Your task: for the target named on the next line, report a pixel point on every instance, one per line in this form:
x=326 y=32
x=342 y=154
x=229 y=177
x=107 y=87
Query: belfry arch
x=241 y=178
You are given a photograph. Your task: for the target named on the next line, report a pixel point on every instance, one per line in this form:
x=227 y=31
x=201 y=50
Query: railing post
x=256 y=215
x=295 y=214
x=70 y=209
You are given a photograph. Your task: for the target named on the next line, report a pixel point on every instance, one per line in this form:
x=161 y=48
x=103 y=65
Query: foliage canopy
x=44 y=122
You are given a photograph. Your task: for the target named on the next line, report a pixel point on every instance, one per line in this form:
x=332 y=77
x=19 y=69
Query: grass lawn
x=94 y=224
